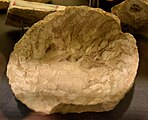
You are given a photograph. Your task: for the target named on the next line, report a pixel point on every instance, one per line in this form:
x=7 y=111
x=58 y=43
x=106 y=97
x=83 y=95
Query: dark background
x=133 y=107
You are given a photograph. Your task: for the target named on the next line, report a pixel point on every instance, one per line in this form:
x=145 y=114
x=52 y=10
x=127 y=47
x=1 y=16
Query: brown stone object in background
x=70 y=2
x=76 y=60
x=4 y=4
x=41 y=1
x=133 y=14
x=24 y=13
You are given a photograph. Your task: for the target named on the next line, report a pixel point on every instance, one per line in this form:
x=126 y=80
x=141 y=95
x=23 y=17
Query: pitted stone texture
x=75 y=60
x=133 y=13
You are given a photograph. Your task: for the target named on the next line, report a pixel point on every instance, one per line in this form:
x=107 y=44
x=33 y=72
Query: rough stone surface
x=4 y=4
x=133 y=14
x=75 y=60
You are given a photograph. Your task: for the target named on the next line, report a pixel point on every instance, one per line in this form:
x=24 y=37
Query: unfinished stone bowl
x=76 y=60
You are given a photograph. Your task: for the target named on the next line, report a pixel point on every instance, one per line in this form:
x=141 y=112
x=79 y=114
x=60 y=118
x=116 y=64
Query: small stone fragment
x=133 y=15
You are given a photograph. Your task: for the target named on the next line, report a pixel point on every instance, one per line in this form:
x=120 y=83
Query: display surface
x=133 y=106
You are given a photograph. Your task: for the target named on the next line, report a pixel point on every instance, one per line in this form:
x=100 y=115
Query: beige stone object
x=5 y=3
x=76 y=60
x=134 y=14
x=23 y=13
